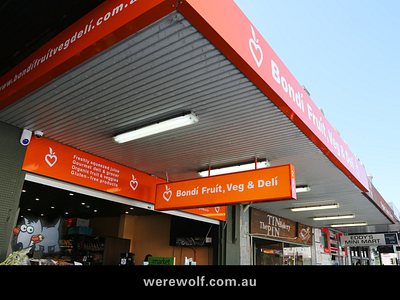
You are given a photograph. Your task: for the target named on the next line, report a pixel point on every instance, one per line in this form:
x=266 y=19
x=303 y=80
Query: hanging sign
x=361 y=240
x=55 y=160
x=266 y=225
x=216 y=212
x=269 y=184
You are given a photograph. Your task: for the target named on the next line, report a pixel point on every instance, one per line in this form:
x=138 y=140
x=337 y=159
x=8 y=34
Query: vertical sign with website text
x=225 y=25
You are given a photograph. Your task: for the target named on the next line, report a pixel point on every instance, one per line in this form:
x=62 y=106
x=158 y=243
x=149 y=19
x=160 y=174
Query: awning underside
x=167 y=68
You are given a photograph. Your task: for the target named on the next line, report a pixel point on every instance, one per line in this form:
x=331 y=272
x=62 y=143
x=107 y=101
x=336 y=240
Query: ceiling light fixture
x=236 y=168
x=187 y=119
x=318 y=207
x=350 y=224
x=302 y=189
x=333 y=217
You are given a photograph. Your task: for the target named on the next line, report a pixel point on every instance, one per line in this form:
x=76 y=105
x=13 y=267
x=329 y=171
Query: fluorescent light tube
x=333 y=217
x=302 y=189
x=349 y=224
x=305 y=208
x=162 y=126
x=233 y=169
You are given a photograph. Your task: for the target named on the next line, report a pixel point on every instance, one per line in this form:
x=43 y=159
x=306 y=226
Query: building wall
x=235 y=242
x=105 y=226
x=245 y=249
x=12 y=178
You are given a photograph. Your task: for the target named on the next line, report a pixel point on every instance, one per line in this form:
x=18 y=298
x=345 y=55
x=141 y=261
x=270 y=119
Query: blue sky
x=346 y=53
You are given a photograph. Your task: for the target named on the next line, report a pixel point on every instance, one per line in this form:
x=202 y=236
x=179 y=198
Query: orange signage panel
x=104 y=26
x=269 y=184
x=227 y=27
x=52 y=159
x=216 y=212
x=55 y=160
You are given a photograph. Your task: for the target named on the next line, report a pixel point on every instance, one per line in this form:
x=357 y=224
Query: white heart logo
x=51 y=158
x=305 y=234
x=254 y=47
x=133 y=183
x=167 y=194
x=216 y=209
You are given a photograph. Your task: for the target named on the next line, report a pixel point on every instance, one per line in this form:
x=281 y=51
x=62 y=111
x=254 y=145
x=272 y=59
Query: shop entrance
x=268 y=253
x=63 y=226
x=360 y=256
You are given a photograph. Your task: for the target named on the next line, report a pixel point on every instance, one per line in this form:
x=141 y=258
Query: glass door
x=268 y=253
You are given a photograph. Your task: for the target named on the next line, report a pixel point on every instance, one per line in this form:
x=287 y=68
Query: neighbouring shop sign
x=377 y=198
x=269 y=184
x=369 y=240
x=333 y=242
x=269 y=226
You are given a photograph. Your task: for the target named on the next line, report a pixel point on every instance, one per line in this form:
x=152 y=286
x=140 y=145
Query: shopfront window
x=360 y=256
x=324 y=240
x=374 y=255
x=58 y=227
x=297 y=256
x=268 y=253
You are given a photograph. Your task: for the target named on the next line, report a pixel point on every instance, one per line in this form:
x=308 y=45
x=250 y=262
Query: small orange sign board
x=269 y=184
x=52 y=159
x=216 y=212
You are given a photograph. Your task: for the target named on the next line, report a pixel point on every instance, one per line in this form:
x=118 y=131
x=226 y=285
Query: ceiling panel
x=167 y=68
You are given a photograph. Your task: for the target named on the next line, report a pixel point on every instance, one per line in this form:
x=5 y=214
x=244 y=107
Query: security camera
x=38 y=133
x=25 y=137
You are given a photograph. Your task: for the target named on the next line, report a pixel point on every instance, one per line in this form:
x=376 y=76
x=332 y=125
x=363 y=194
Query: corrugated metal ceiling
x=167 y=68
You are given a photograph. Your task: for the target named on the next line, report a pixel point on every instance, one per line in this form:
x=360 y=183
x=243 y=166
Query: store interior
x=64 y=227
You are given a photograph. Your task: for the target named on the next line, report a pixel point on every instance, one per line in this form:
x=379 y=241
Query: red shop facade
x=331 y=251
